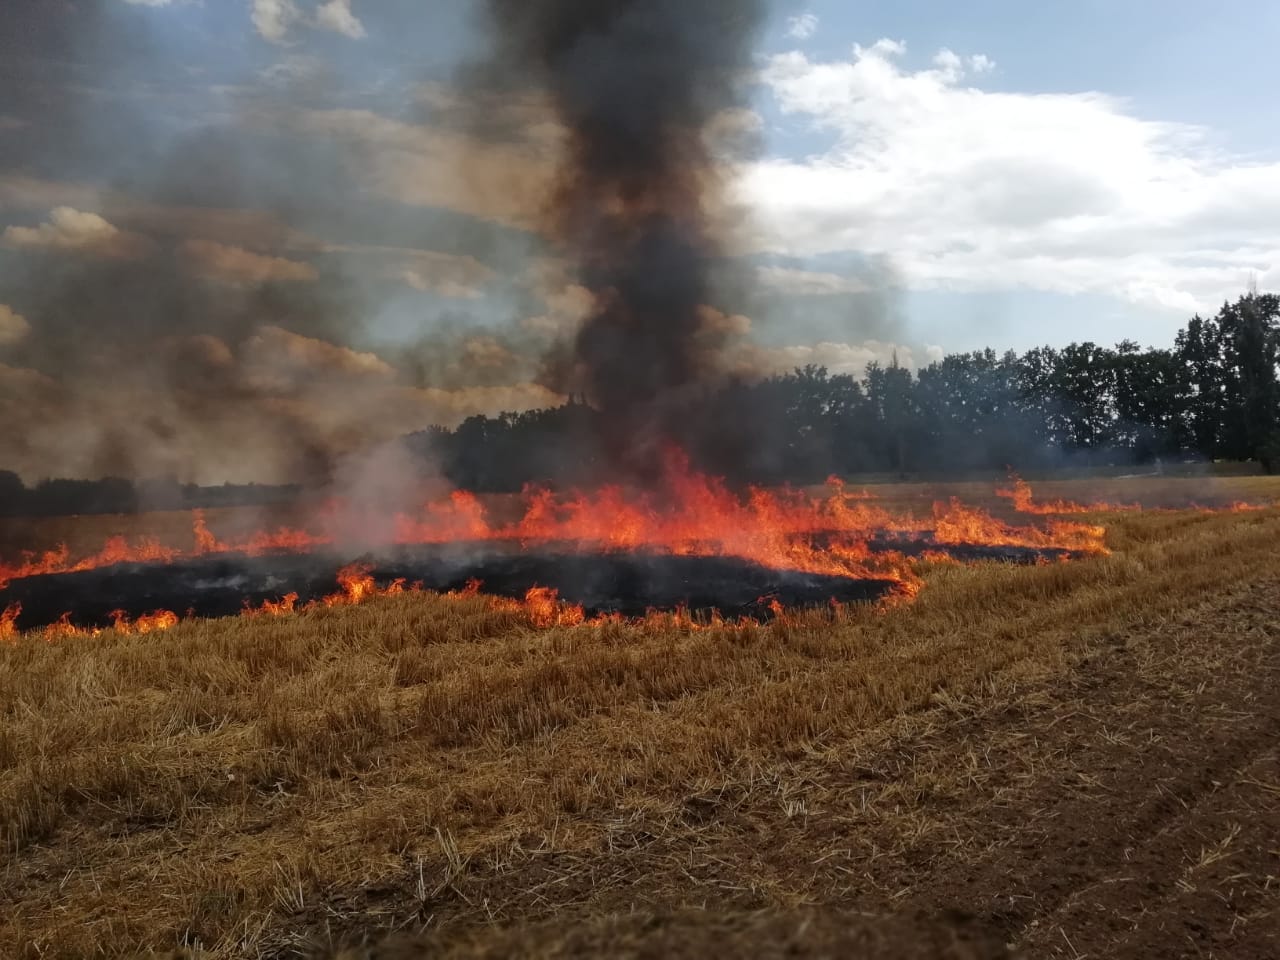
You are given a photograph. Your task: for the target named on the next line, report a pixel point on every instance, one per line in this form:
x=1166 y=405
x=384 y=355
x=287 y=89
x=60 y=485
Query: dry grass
x=240 y=786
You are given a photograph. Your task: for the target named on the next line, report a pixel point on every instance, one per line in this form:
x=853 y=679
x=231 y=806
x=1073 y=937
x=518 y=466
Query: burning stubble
x=635 y=84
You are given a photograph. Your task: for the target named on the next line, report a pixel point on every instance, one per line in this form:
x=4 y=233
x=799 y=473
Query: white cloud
x=802 y=27
x=275 y=359
x=567 y=308
x=838 y=358
x=69 y=229
x=448 y=275
x=336 y=15
x=975 y=190
x=13 y=326
x=19 y=192
x=273 y=18
x=151 y=3
x=230 y=264
x=295 y=68
x=435 y=166
x=808 y=283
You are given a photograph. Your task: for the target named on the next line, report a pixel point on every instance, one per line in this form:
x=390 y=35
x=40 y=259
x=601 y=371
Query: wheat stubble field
x=1068 y=760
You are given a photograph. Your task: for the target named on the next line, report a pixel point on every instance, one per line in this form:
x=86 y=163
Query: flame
x=544 y=609
x=1240 y=506
x=693 y=515
x=1019 y=493
x=837 y=532
x=206 y=542
x=147 y=623
x=9 y=621
x=697 y=515
x=358 y=585
x=274 y=608
x=63 y=628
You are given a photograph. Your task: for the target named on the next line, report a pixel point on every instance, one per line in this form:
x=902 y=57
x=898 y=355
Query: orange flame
x=147 y=623
x=839 y=532
x=545 y=609
x=273 y=608
x=695 y=515
x=9 y=621
x=1019 y=493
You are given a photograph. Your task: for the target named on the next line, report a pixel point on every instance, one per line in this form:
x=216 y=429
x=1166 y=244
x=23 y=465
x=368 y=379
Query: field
x=1068 y=760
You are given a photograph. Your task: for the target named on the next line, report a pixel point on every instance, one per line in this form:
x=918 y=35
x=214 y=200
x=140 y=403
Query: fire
x=698 y=515
x=842 y=533
x=150 y=550
x=9 y=621
x=63 y=628
x=545 y=609
x=115 y=550
x=1019 y=494
x=358 y=585
x=694 y=515
x=147 y=623
x=274 y=608
x=839 y=532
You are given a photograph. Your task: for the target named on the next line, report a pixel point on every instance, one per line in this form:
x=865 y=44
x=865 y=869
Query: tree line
x=1213 y=395
x=64 y=497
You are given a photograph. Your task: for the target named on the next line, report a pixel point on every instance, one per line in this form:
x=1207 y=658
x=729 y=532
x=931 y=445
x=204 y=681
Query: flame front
x=841 y=533
x=693 y=515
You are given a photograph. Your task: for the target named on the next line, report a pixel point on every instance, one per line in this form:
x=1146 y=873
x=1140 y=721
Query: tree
x=13 y=493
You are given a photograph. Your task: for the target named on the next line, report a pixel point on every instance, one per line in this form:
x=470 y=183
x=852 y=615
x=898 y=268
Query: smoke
x=637 y=204
x=254 y=267
x=189 y=274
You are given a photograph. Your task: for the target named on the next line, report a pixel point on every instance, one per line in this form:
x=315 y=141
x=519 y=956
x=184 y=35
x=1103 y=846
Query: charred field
x=426 y=773
x=603 y=583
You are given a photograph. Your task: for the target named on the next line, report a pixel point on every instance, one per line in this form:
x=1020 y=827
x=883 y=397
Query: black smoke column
x=635 y=83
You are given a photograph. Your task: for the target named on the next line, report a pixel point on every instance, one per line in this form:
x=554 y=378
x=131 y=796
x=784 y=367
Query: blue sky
x=1196 y=62
x=1185 y=64
x=932 y=177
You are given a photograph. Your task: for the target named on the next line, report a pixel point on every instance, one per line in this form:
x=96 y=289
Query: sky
x=218 y=213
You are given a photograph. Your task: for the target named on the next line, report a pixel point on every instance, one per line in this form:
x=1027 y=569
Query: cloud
x=504 y=180
x=218 y=261
x=802 y=27
x=237 y=227
x=32 y=193
x=69 y=229
x=431 y=271
x=450 y=407
x=152 y=3
x=273 y=18
x=567 y=308
x=446 y=274
x=336 y=15
x=838 y=358
x=293 y=69
x=276 y=358
x=808 y=283
x=13 y=326
x=967 y=189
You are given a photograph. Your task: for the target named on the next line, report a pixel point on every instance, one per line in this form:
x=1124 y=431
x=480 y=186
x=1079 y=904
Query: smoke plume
x=635 y=205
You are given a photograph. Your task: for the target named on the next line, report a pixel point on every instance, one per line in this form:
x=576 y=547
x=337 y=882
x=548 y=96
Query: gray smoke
x=637 y=200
